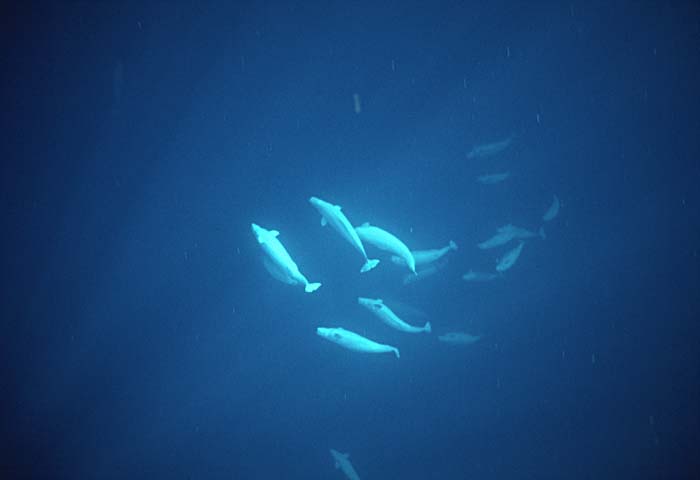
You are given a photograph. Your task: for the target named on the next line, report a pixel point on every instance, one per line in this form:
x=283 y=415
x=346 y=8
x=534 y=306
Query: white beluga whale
x=552 y=211
x=459 y=338
x=333 y=215
x=384 y=240
x=492 y=178
x=353 y=341
x=509 y=259
x=508 y=232
x=426 y=257
x=342 y=461
x=386 y=315
x=277 y=260
x=489 y=149
x=472 y=276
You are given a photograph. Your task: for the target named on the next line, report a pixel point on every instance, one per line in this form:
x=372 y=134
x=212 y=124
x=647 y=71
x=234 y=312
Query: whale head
x=370 y=303
x=332 y=334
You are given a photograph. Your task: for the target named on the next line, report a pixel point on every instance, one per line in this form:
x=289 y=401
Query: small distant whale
x=459 y=338
x=492 y=178
x=425 y=272
x=278 y=261
x=342 y=461
x=490 y=149
x=333 y=215
x=552 y=211
x=472 y=276
x=509 y=259
x=506 y=233
x=426 y=257
x=386 y=315
x=384 y=240
x=353 y=341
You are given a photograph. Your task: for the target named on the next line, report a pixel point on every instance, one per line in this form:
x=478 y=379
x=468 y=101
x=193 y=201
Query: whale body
x=459 y=338
x=426 y=257
x=509 y=259
x=333 y=215
x=353 y=341
x=384 y=240
x=508 y=232
x=342 y=461
x=492 y=178
x=277 y=260
x=489 y=149
x=425 y=272
x=472 y=276
x=386 y=315
x=552 y=211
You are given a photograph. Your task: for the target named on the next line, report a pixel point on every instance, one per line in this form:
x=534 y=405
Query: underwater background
x=142 y=337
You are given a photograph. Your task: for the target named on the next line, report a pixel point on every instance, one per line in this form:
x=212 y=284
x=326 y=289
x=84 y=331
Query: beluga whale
x=508 y=232
x=386 y=315
x=472 y=276
x=509 y=259
x=490 y=149
x=426 y=257
x=384 y=240
x=277 y=260
x=342 y=461
x=459 y=338
x=333 y=215
x=552 y=211
x=492 y=178
x=353 y=341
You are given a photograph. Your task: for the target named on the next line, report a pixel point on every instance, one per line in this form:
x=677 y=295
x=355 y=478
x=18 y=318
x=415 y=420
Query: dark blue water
x=142 y=337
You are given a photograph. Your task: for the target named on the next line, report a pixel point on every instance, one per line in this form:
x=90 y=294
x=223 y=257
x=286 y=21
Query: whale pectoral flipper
x=396 y=351
x=324 y=222
x=369 y=265
x=312 y=287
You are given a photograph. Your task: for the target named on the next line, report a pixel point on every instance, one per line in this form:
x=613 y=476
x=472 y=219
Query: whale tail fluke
x=369 y=265
x=396 y=352
x=543 y=235
x=427 y=328
x=312 y=287
x=453 y=245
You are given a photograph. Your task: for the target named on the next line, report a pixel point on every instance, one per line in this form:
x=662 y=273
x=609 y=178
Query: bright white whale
x=278 y=261
x=384 y=240
x=353 y=341
x=342 y=461
x=426 y=257
x=386 y=315
x=333 y=215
